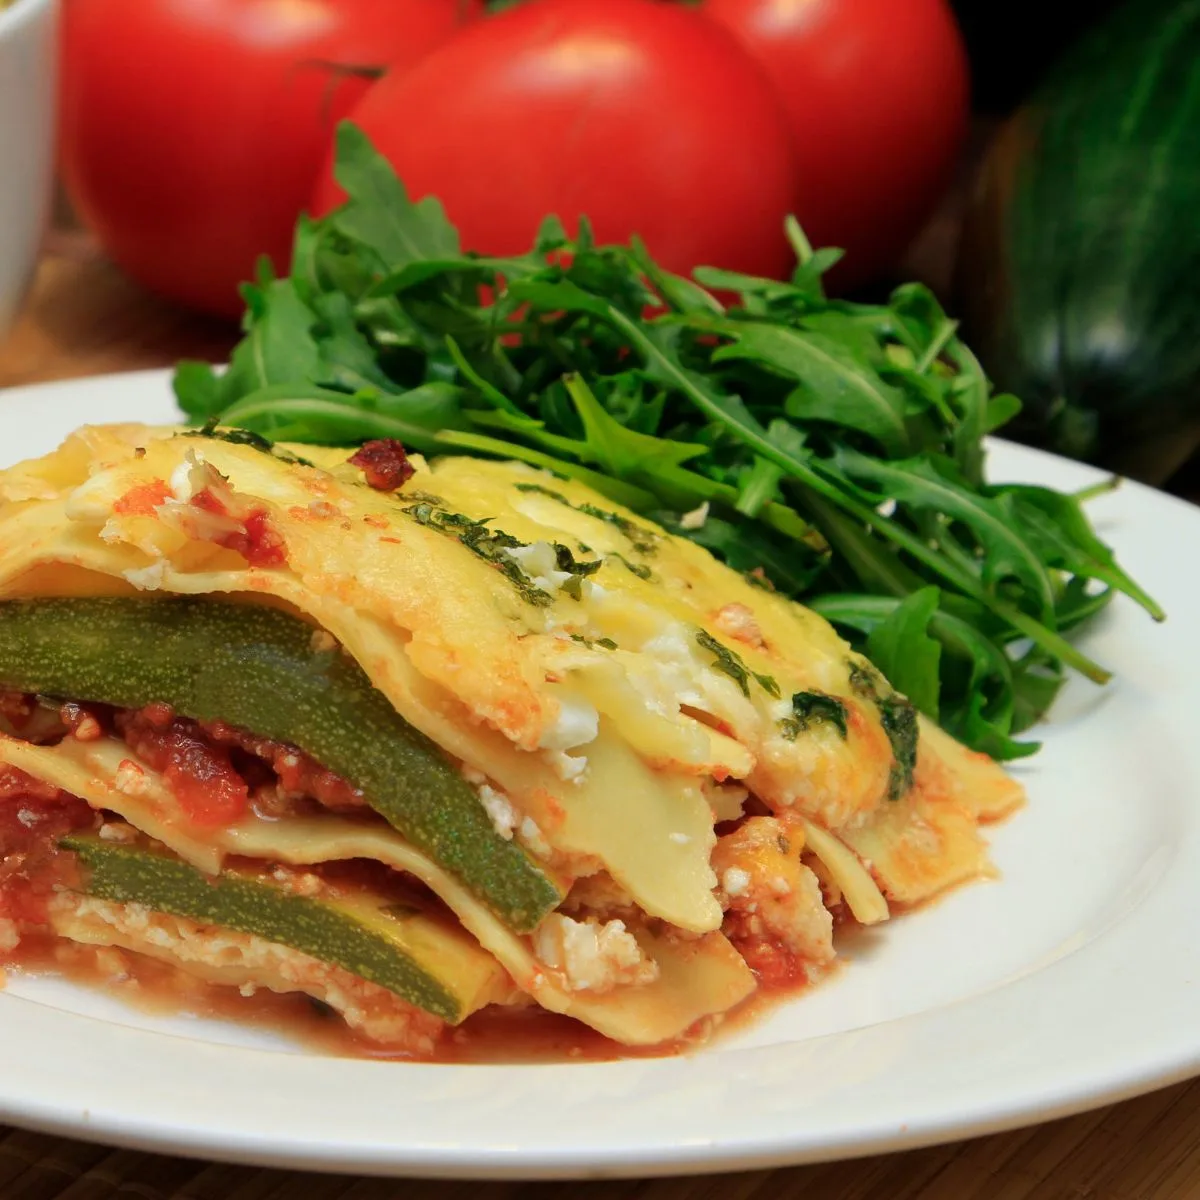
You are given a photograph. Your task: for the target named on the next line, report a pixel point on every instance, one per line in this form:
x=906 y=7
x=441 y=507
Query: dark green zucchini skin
x=259 y=668
x=246 y=904
x=1079 y=268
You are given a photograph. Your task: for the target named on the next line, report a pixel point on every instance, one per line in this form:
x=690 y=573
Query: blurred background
x=1037 y=165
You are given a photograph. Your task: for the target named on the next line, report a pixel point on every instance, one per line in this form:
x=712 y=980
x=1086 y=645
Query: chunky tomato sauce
x=216 y=770
x=384 y=463
x=33 y=817
x=258 y=541
x=298 y=774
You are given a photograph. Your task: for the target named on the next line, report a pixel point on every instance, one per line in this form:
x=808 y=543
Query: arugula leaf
x=766 y=561
x=903 y=650
x=618 y=450
x=422 y=418
x=836 y=385
x=346 y=358
x=197 y=390
x=1054 y=524
x=921 y=484
x=828 y=449
x=976 y=703
x=379 y=213
x=279 y=346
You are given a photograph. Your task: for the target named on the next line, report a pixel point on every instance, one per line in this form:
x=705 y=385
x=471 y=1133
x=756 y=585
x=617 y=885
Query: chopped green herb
x=244 y=437
x=605 y=643
x=899 y=720
x=865 y=681
x=639 y=569
x=731 y=664
x=641 y=537
x=488 y=544
x=813 y=708
x=566 y=561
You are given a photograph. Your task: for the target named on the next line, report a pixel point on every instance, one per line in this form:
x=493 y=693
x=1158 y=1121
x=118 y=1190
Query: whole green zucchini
x=1079 y=269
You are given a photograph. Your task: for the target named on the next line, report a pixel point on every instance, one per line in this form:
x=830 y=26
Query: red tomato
x=642 y=115
x=876 y=92
x=193 y=130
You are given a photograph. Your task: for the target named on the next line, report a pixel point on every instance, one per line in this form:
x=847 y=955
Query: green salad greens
x=831 y=450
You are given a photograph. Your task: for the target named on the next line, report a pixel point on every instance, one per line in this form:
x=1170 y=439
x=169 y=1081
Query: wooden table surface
x=83 y=319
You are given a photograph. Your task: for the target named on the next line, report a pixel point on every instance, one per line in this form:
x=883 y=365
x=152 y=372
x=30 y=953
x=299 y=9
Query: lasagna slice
x=423 y=739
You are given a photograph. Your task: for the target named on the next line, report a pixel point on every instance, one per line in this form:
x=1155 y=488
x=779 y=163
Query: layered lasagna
x=418 y=740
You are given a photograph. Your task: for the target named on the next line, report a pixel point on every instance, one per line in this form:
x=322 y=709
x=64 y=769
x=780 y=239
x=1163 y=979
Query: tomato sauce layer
x=217 y=771
x=34 y=816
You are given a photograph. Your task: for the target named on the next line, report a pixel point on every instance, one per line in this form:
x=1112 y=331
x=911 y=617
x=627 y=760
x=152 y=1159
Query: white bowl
x=28 y=87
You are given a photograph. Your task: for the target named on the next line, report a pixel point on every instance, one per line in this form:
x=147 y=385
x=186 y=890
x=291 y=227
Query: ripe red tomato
x=876 y=93
x=642 y=115
x=193 y=130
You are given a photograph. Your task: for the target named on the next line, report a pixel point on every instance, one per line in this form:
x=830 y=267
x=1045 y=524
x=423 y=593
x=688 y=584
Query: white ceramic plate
x=1073 y=981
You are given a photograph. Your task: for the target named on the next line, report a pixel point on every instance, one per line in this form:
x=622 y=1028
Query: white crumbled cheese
x=673 y=645
x=147 y=579
x=577 y=723
x=299 y=883
x=780 y=886
x=473 y=776
x=322 y=641
x=539 y=565
x=247 y=989
x=113 y=531
x=696 y=518
x=499 y=808
x=87 y=730
x=130 y=779
x=570 y=768
x=117 y=831
x=189 y=477
x=679 y=675
x=592 y=956
x=195 y=475
x=680 y=839
x=533 y=839
x=27 y=817
x=735 y=881
x=10 y=936
x=91 y=502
